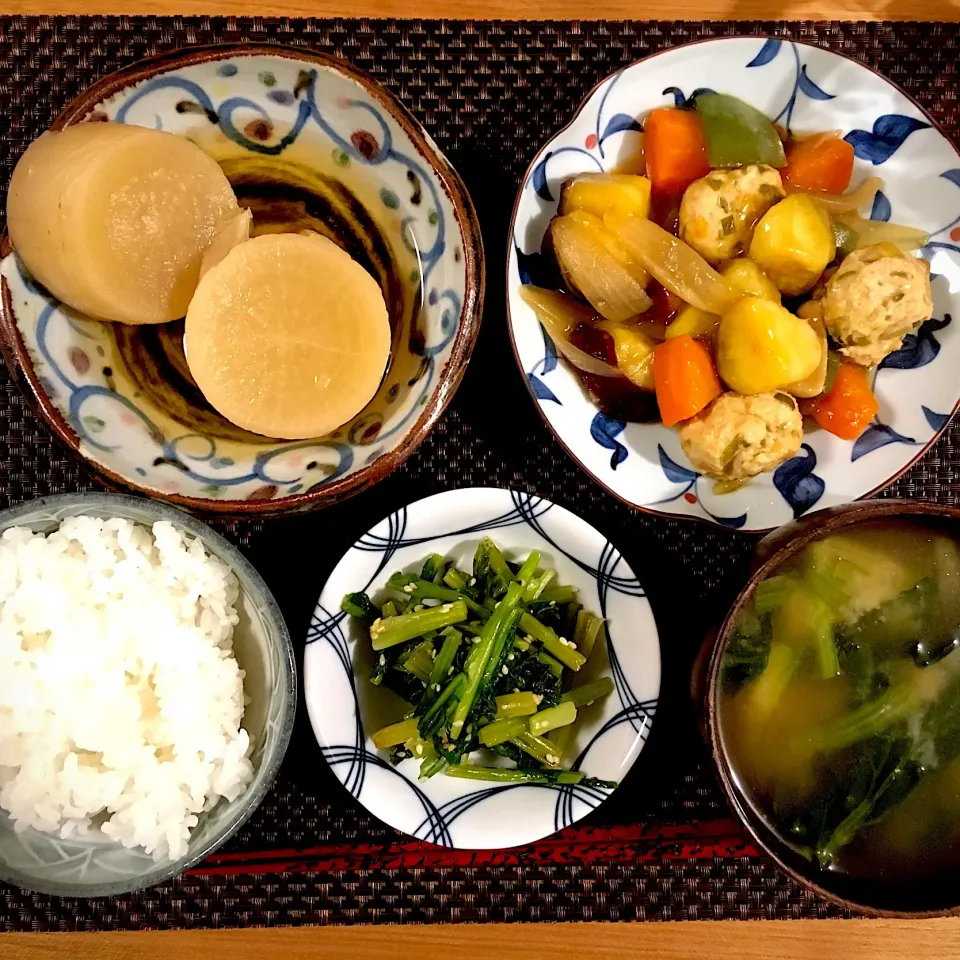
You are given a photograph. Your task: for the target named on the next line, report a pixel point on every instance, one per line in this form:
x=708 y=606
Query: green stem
x=434 y=718
x=768 y=688
x=588 y=629
x=501 y=648
x=441 y=666
x=419 y=661
x=427 y=590
x=431 y=766
x=473 y=771
x=894 y=705
x=493 y=633
x=389 y=609
x=560 y=738
x=455 y=579
x=432 y=568
x=395 y=734
x=501 y=730
x=589 y=692
x=563 y=652
x=561 y=715
x=558 y=595
x=408 y=626
x=534 y=590
x=516 y=704
x=556 y=667
x=538 y=748
x=528 y=568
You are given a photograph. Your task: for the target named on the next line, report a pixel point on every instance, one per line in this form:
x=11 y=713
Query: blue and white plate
x=345 y=708
x=806 y=89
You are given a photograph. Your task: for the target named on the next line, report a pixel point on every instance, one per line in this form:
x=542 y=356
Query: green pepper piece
x=846 y=238
x=738 y=134
x=833 y=365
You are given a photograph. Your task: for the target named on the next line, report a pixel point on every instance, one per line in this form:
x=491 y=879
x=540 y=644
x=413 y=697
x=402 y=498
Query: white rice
x=120 y=697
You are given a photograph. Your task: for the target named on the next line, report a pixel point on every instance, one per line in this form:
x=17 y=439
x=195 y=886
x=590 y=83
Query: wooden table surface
x=688 y=940
x=709 y=940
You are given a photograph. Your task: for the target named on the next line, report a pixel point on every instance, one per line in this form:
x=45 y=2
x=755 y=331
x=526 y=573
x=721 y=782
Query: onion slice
x=675 y=264
x=591 y=269
x=870 y=232
x=844 y=203
x=812 y=386
x=560 y=315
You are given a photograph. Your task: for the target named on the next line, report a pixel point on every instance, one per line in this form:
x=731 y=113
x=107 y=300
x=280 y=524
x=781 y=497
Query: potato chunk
x=288 y=336
x=601 y=193
x=114 y=220
x=761 y=346
x=746 y=275
x=793 y=243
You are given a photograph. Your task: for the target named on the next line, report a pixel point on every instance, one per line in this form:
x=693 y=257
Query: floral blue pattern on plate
x=345 y=708
x=314 y=115
x=807 y=89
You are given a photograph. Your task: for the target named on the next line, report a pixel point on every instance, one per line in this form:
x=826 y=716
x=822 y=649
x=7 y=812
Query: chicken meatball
x=876 y=297
x=719 y=211
x=737 y=437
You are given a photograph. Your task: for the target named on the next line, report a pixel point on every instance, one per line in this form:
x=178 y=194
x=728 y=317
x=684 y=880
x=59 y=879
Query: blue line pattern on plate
x=437 y=821
x=802 y=82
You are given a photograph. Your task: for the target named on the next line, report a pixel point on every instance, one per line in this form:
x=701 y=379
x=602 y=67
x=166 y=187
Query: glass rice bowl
x=99 y=866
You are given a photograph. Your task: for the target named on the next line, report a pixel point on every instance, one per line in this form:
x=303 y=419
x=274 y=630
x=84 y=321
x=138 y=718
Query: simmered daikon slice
x=288 y=336
x=114 y=220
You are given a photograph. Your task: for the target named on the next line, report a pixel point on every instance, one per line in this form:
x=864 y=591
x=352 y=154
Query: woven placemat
x=663 y=847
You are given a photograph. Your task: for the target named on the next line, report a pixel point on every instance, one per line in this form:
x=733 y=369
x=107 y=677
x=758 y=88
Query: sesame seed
x=419 y=606
x=590 y=703
x=410 y=588
x=447 y=607
x=571 y=645
x=504 y=670
x=450 y=672
x=436 y=688
x=537 y=699
x=476 y=639
x=516 y=689
x=565 y=641
x=473 y=582
x=419 y=749
x=433 y=654
x=552 y=603
x=510 y=656
x=383 y=659
x=552 y=759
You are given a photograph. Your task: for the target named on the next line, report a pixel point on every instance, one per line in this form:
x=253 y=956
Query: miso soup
x=839 y=701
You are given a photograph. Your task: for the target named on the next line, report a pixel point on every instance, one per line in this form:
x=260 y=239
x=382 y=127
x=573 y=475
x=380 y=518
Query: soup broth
x=839 y=703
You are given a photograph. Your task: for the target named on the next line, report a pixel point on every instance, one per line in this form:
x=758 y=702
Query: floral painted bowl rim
x=18 y=362
x=770 y=555
x=584 y=103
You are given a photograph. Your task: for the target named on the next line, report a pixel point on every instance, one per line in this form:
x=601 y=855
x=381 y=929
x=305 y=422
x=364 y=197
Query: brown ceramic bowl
x=936 y=896
x=309 y=142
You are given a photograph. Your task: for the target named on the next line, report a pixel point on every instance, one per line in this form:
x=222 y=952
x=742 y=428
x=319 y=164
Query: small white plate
x=345 y=708
x=806 y=89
